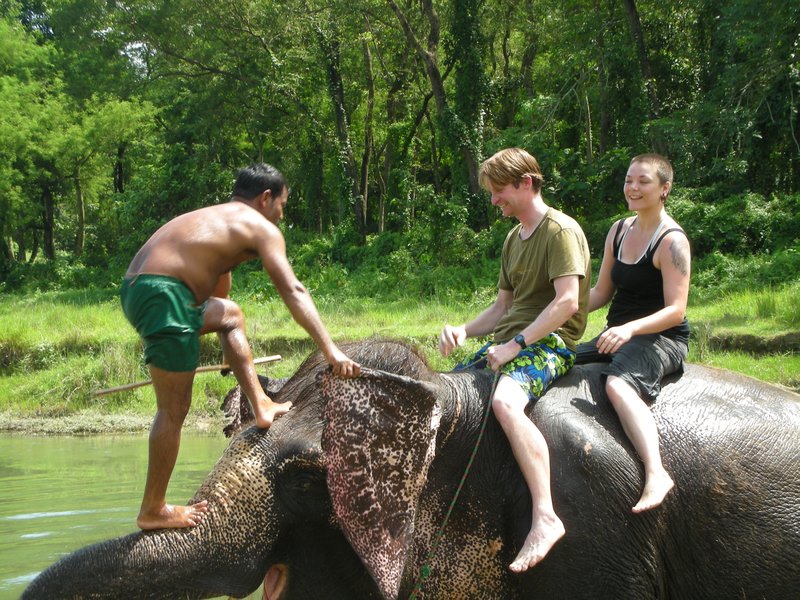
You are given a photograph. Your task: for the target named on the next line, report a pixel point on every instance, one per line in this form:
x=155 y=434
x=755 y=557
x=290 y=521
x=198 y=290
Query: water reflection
x=58 y=494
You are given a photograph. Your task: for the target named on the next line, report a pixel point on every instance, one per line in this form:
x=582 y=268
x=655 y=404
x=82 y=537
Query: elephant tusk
x=274 y=582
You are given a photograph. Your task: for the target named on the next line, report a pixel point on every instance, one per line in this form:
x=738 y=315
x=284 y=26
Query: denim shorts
x=536 y=366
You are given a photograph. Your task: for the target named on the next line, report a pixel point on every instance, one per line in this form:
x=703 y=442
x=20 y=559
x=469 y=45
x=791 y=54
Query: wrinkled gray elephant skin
x=344 y=496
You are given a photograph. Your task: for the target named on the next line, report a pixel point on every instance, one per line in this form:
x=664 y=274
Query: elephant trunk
x=225 y=555
x=164 y=564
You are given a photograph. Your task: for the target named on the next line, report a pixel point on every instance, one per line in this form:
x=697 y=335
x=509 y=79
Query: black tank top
x=640 y=286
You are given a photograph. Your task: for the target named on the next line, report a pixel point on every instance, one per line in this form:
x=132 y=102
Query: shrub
x=717 y=274
x=739 y=225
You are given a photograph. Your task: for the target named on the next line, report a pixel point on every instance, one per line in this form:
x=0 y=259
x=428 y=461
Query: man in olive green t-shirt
x=538 y=315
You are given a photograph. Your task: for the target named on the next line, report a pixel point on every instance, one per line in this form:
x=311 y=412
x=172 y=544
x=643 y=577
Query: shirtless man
x=176 y=289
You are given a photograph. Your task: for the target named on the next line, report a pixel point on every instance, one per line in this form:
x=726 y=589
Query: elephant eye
x=301 y=489
x=302 y=482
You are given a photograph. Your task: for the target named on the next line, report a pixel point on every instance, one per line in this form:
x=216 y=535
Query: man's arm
x=484 y=324
x=223 y=287
x=604 y=288
x=554 y=315
x=300 y=304
x=222 y=290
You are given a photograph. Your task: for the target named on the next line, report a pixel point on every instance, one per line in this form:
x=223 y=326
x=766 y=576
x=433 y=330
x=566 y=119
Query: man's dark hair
x=256 y=178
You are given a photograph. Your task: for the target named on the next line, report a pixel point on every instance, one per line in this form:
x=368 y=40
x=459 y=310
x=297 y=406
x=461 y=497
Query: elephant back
x=730 y=444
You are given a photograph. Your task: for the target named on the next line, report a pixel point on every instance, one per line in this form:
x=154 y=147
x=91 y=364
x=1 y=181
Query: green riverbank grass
x=58 y=348
x=767 y=312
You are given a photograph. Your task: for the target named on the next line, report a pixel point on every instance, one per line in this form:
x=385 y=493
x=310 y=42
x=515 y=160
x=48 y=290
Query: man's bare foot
x=537 y=545
x=170 y=516
x=656 y=487
x=267 y=411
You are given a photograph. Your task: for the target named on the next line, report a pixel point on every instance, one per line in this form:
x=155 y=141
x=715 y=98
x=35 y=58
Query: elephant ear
x=379 y=441
x=236 y=407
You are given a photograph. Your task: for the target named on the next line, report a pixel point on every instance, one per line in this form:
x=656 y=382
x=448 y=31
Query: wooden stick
x=205 y=369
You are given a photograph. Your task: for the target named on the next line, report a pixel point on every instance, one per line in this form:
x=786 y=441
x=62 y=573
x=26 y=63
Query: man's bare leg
x=530 y=450
x=640 y=427
x=226 y=318
x=173 y=397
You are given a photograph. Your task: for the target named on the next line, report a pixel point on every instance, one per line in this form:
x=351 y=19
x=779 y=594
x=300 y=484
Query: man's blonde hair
x=509 y=166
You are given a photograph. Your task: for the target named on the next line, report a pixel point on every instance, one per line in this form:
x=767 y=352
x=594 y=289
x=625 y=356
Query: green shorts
x=167 y=318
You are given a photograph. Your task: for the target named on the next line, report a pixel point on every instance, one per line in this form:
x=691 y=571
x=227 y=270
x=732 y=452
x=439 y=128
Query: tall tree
x=328 y=41
x=428 y=54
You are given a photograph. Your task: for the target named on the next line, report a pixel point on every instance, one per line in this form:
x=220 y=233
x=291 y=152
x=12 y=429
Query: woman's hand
x=613 y=338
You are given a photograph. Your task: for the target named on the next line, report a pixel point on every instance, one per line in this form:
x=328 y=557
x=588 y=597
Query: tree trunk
x=602 y=75
x=508 y=101
x=34 y=245
x=588 y=120
x=364 y=181
x=529 y=55
x=646 y=70
x=428 y=55
x=48 y=222
x=437 y=178
x=119 y=171
x=6 y=256
x=389 y=150
x=80 y=209
x=470 y=85
x=22 y=249
x=330 y=52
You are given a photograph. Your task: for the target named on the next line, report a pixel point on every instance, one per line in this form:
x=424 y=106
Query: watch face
x=520 y=339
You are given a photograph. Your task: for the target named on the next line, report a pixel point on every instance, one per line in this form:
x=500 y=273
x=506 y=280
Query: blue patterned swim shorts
x=536 y=366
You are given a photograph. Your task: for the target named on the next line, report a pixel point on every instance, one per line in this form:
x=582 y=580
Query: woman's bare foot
x=538 y=543
x=656 y=487
x=170 y=516
x=267 y=411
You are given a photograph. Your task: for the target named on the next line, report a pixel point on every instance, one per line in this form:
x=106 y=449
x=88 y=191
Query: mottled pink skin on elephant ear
x=379 y=441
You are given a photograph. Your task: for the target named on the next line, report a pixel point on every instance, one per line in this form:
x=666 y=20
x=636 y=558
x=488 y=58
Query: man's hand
x=343 y=366
x=451 y=337
x=497 y=356
x=612 y=338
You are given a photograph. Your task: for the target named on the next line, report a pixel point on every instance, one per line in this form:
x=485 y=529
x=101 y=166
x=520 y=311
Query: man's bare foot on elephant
x=656 y=487
x=267 y=411
x=538 y=543
x=173 y=517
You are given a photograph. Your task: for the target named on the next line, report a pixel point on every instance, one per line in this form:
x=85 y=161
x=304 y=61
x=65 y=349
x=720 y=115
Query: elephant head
x=350 y=495
x=270 y=508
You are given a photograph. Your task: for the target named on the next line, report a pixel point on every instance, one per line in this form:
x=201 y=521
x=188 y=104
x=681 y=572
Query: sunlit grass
x=60 y=319
x=768 y=311
x=57 y=349
x=783 y=369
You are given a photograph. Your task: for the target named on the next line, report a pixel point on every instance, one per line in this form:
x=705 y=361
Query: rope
x=425 y=570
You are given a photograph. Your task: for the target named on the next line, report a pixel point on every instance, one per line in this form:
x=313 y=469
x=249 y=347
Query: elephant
x=401 y=484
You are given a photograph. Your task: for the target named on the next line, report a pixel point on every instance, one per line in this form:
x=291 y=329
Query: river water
x=58 y=494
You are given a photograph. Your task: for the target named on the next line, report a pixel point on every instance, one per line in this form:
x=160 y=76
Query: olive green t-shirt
x=528 y=267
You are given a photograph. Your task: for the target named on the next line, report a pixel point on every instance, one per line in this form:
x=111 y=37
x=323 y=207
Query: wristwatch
x=520 y=339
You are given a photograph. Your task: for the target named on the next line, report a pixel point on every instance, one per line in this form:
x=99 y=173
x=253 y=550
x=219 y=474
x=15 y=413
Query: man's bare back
x=200 y=246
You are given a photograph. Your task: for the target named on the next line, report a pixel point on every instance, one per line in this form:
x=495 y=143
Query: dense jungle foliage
x=116 y=116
